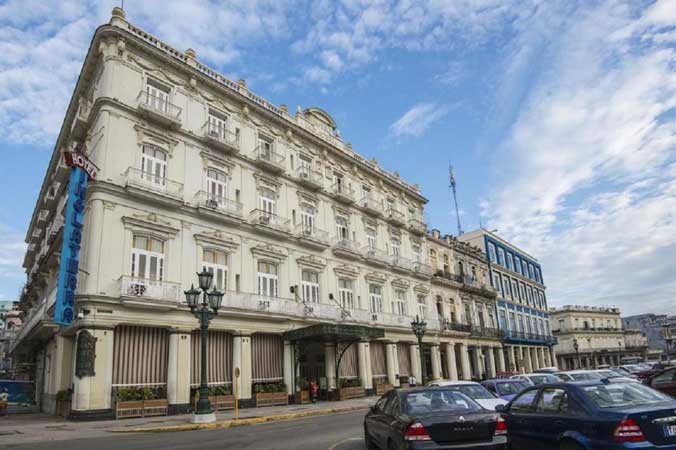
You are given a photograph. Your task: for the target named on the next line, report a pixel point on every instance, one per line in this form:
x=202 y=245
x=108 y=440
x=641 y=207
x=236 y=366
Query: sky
x=559 y=117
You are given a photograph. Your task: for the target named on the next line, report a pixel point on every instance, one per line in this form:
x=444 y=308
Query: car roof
x=455 y=383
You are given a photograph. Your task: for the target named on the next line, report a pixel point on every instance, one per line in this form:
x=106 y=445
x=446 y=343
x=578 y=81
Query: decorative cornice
x=150 y=223
x=401 y=283
x=376 y=277
x=269 y=251
x=216 y=238
x=311 y=261
x=346 y=270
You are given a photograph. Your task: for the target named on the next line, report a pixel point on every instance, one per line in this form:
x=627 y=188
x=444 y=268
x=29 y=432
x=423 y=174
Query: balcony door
x=153 y=165
x=267 y=279
x=217 y=126
x=157 y=96
x=147 y=258
x=307 y=219
x=216 y=186
x=267 y=202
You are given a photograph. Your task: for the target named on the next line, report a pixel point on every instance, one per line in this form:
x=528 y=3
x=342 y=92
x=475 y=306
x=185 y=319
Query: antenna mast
x=451 y=176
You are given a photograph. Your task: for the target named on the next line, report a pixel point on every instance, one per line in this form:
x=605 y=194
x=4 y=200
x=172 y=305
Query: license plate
x=670 y=430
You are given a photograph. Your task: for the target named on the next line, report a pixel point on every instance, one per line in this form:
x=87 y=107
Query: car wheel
x=368 y=440
x=571 y=446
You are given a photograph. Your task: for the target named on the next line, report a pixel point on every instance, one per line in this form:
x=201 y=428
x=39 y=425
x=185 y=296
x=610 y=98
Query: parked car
x=611 y=374
x=624 y=371
x=473 y=390
x=578 y=375
x=536 y=379
x=664 y=381
x=505 y=389
x=547 y=370
x=592 y=415
x=432 y=418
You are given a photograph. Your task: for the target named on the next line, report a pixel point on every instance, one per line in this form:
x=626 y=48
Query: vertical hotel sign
x=82 y=170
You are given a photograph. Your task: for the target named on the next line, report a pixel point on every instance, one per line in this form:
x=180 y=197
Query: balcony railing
x=347 y=245
x=416 y=225
x=221 y=136
x=220 y=204
x=457 y=326
x=149 y=181
x=268 y=157
x=395 y=216
x=371 y=204
x=486 y=332
x=422 y=268
x=159 y=108
x=304 y=231
x=142 y=288
x=376 y=255
x=400 y=262
x=269 y=220
x=310 y=177
x=341 y=191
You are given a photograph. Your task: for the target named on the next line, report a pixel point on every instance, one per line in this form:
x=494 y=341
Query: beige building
x=589 y=336
x=196 y=171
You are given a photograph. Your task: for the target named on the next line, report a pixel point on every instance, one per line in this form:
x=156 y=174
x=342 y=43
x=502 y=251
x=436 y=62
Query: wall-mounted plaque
x=86 y=355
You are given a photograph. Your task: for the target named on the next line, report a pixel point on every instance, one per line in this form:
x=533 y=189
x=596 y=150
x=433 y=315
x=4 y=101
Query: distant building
x=10 y=322
x=660 y=330
x=590 y=336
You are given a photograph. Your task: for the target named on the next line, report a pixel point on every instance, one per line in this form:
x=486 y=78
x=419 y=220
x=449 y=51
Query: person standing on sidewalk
x=4 y=397
x=314 y=388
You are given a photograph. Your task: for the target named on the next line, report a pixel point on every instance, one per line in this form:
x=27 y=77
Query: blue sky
x=559 y=116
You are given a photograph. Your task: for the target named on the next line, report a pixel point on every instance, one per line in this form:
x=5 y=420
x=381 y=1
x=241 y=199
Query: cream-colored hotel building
x=318 y=249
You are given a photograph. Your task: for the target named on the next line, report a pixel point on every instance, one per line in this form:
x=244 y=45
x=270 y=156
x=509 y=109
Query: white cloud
x=418 y=119
x=592 y=162
x=12 y=250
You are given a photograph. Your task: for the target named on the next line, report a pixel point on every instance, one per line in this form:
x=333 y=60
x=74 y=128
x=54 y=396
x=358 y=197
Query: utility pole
x=451 y=176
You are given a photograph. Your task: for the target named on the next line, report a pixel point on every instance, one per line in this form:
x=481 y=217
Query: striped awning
x=267 y=353
x=140 y=356
x=378 y=364
x=219 y=358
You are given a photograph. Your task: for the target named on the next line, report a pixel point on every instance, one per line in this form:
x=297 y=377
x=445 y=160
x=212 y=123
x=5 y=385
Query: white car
x=536 y=379
x=473 y=390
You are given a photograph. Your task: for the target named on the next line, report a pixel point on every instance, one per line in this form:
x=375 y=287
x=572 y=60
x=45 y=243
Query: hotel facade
x=323 y=256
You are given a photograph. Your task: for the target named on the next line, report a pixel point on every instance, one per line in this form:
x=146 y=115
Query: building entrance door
x=312 y=363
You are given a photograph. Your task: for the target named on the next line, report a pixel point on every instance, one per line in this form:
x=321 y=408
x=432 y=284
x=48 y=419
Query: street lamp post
x=419 y=328
x=204 y=311
x=576 y=346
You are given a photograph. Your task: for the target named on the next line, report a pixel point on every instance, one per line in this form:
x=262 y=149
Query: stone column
x=464 y=362
x=479 y=362
x=548 y=362
x=436 y=362
x=392 y=361
x=415 y=362
x=490 y=354
x=512 y=358
x=364 y=356
x=528 y=363
x=330 y=365
x=542 y=351
x=178 y=372
x=552 y=353
x=289 y=378
x=501 y=359
x=451 y=364
x=92 y=394
x=241 y=357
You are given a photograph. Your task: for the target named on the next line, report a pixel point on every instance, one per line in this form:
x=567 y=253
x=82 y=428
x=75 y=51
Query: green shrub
x=350 y=382
x=64 y=395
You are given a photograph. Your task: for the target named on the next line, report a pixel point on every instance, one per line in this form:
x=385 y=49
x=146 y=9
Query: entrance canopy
x=325 y=332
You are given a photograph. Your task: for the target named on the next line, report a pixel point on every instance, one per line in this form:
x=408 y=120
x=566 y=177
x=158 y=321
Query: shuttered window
x=140 y=356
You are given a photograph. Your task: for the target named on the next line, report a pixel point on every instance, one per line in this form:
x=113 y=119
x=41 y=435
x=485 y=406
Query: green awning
x=326 y=332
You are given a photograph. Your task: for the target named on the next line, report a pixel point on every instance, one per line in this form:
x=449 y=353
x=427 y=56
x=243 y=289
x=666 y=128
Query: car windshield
x=510 y=388
x=439 y=400
x=617 y=395
x=607 y=373
x=633 y=368
x=475 y=391
x=585 y=376
x=542 y=379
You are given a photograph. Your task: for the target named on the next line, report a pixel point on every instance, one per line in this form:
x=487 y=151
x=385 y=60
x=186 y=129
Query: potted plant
x=270 y=394
x=382 y=385
x=350 y=388
x=63 y=402
x=220 y=397
x=303 y=391
x=140 y=402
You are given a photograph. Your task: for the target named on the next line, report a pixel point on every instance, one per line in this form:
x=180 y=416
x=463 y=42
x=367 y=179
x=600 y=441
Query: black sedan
x=432 y=418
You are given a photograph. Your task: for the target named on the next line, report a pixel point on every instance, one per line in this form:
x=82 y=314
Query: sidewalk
x=28 y=428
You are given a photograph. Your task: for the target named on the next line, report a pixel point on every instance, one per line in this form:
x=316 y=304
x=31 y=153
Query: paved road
x=331 y=432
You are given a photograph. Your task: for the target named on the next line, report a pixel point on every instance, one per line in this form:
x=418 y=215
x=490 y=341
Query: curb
x=237 y=423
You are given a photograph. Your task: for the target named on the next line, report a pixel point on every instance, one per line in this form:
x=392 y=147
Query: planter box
x=217 y=402
x=383 y=388
x=351 y=392
x=404 y=385
x=302 y=397
x=63 y=407
x=141 y=408
x=272 y=399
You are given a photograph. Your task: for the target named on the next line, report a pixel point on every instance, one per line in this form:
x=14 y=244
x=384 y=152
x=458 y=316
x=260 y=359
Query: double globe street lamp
x=419 y=328
x=204 y=311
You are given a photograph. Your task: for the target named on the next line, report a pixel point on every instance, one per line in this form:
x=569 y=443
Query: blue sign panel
x=70 y=248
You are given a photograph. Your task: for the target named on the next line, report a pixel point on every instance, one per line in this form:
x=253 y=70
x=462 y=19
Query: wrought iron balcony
x=486 y=332
x=376 y=256
x=267 y=158
x=159 y=109
x=312 y=236
x=399 y=262
x=459 y=327
x=342 y=192
x=221 y=137
x=269 y=221
x=310 y=177
x=157 y=290
x=372 y=205
x=150 y=182
x=219 y=204
x=422 y=269
x=395 y=216
x=346 y=247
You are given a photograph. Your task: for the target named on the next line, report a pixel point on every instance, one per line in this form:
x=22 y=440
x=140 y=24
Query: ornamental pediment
x=346 y=270
x=150 y=223
x=421 y=288
x=217 y=239
x=270 y=251
x=376 y=277
x=312 y=261
x=401 y=283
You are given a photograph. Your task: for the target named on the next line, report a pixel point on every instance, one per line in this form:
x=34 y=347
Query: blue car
x=506 y=389
x=591 y=415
